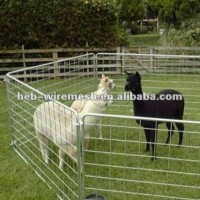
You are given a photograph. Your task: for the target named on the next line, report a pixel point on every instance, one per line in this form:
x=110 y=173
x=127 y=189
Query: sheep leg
x=153 y=143
x=86 y=142
x=170 y=128
x=61 y=154
x=180 y=127
x=148 y=139
x=70 y=150
x=43 y=144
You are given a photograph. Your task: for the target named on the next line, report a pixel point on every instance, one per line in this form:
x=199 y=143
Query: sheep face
x=106 y=83
x=133 y=83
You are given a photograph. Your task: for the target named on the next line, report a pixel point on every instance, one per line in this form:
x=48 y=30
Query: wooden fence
x=11 y=60
x=16 y=59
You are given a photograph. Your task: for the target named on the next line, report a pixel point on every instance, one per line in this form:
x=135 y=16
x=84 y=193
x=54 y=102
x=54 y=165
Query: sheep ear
x=103 y=76
x=127 y=72
x=138 y=75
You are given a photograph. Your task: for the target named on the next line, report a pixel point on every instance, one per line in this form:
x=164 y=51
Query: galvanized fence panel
x=182 y=78
x=48 y=83
x=117 y=166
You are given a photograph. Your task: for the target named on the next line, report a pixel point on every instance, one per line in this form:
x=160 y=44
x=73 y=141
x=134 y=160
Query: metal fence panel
x=119 y=168
x=116 y=166
x=49 y=81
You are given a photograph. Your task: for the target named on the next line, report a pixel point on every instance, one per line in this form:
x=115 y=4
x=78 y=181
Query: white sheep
x=105 y=84
x=57 y=123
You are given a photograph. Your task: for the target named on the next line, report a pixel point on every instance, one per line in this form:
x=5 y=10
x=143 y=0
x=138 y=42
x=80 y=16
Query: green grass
x=118 y=149
x=144 y=40
x=17 y=181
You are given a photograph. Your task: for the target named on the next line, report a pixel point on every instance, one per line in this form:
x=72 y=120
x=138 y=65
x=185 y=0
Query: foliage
x=58 y=23
x=96 y=23
x=101 y=28
x=153 y=8
x=173 y=11
x=180 y=17
x=124 y=37
x=130 y=12
x=188 y=34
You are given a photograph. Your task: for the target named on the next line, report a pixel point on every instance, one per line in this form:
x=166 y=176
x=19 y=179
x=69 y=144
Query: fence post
x=24 y=62
x=86 y=46
x=121 y=59
x=151 y=59
x=80 y=158
x=118 y=63
x=56 y=69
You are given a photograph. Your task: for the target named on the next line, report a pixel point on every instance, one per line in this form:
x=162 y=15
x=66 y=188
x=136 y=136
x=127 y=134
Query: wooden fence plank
x=15 y=59
x=11 y=60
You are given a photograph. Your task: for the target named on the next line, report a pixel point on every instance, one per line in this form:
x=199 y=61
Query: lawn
x=17 y=181
x=119 y=157
x=145 y=40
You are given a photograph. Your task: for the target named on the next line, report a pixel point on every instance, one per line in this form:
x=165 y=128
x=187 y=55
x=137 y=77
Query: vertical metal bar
x=120 y=59
x=80 y=159
x=95 y=64
x=7 y=79
x=151 y=60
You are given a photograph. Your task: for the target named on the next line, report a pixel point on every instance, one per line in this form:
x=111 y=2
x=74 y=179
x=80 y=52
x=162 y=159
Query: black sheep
x=167 y=109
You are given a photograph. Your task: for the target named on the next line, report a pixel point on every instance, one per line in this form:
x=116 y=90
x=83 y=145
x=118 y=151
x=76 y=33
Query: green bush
x=124 y=38
x=188 y=34
x=58 y=23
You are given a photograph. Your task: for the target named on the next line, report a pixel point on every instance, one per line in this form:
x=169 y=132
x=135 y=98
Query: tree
x=153 y=7
x=173 y=12
x=131 y=10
